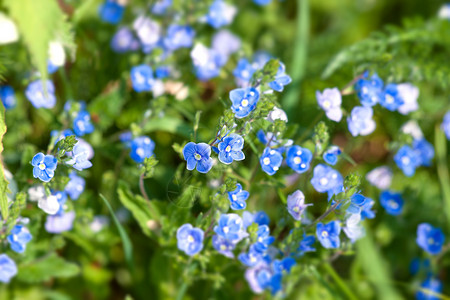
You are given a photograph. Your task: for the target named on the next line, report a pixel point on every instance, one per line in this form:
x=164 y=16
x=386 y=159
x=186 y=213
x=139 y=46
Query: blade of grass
x=127 y=246
x=3 y=181
x=340 y=283
x=442 y=168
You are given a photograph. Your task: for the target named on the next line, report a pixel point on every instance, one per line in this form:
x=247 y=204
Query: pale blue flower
x=190 y=239
x=198 y=155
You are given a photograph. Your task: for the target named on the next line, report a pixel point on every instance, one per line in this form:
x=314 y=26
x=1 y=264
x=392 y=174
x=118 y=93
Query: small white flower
x=49 y=204
x=8 y=30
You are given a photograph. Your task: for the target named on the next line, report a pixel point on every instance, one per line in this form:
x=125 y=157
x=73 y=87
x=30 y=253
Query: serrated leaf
x=46 y=268
x=142 y=210
x=3 y=182
x=39 y=22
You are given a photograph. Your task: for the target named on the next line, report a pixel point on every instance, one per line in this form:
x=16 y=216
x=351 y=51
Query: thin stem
x=324 y=215
x=142 y=187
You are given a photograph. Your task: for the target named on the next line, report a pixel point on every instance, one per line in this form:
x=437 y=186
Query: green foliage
x=16 y=208
x=45 y=268
x=65 y=145
x=3 y=181
x=148 y=169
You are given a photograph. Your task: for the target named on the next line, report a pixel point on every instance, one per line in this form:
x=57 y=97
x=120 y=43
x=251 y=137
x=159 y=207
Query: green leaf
x=3 y=182
x=127 y=245
x=46 y=268
x=442 y=168
x=39 y=22
x=143 y=211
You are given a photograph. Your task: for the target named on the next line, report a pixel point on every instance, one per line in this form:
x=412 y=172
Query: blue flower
x=75 y=186
x=230 y=227
x=160 y=6
x=418 y=264
x=237 y=198
x=391 y=99
x=141 y=148
x=231 y=149
x=124 y=41
x=8 y=268
x=259 y=277
x=263 y=239
x=111 y=12
x=80 y=157
x=380 y=177
x=61 y=197
x=331 y=155
x=370 y=91
x=409 y=94
x=281 y=79
x=19 y=238
x=268 y=139
x=60 y=222
x=207 y=62
x=296 y=204
x=270 y=161
x=148 y=32
x=330 y=101
x=225 y=43
x=407 y=160
x=244 y=70
x=162 y=72
x=252 y=257
x=198 y=155
x=142 y=78
x=298 y=158
x=445 y=126
x=260 y=218
x=179 y=36
x=425 y=151
x=220 y=14
x=360 y=121
x=353 y=228
x=284 y=265
x=357 y=202
x=243 y=101
x=391 y=202
x=223 y=246
x=366 y=210
x=190 y=239
x=35 y=94
x=262 y=2
x=430 y=238
x=326 y=178
x=429 y=288
x=328 y=234
x=7 y=96
x=306 y=244
x=44 y=166
x=82 y=124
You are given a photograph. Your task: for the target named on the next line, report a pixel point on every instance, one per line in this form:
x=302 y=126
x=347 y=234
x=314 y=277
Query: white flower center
x=430 y=241
x=303 y=165
x=234 y=197
x=244 y=103
x=323 y=181
x=190 y=238
x=226 y=229
x=324 y=234
x=228 y=148
x=223 y=247
x=266 y=161
x=297 y=160
x=393 y=204
x=406 y=160
x=41 y=166
x=140 y=152
x=197 y=156
x=326 y=104
x=389 y=99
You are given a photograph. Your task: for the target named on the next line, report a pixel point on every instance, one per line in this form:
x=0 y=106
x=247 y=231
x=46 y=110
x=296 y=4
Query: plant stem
x=142 y=187
x=340 y=283
x=442 y=168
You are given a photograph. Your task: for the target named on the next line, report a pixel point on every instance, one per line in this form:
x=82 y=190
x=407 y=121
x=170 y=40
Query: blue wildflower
x=418 y=264
x=243 y=101
x=263 y=239
x=270 y=161
x=360 y=121
x=230 y=227
x=380 y=177
x=75 y=186
x=431 y=288
x=252 y=257
x=366 y=210
x=328 y=234
x=7 y=96
x=60 y=222
x=223 y=246
x=445 y=126
x=225 y=43
x=353 y=228
x=231 y=148
x=198 y=155
x=262 y=2
x=18 y=238
x=141 y=148
x=281 y=79
x=142 y=78
x=331 y=155
x=8 y=268
x=370 y=91
x=306 y=244
x=61 y=197
x=162 y=72
x=284 y=265
x=35 y=94
x=407 y=160
x=298 y=158
x=82 y=124
x=357 y=202
x=160 y=6
x=179 y=36
x=190 y=239
x=207 y=62
x=80 y=157
x=259 y=277
x=237 y=198
x=425 y=151
x=260 y=218
x=148 y=32
x=220 y=14
x=409 y=95
x=326 y=178
x=330 y=101
x=429 y=238
x=268 y=139
x=391 y=202
x=124 y=41
x=44 y=166
x=296 y=204
x=111 y=12
x=244 y=70
x=391 y=100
